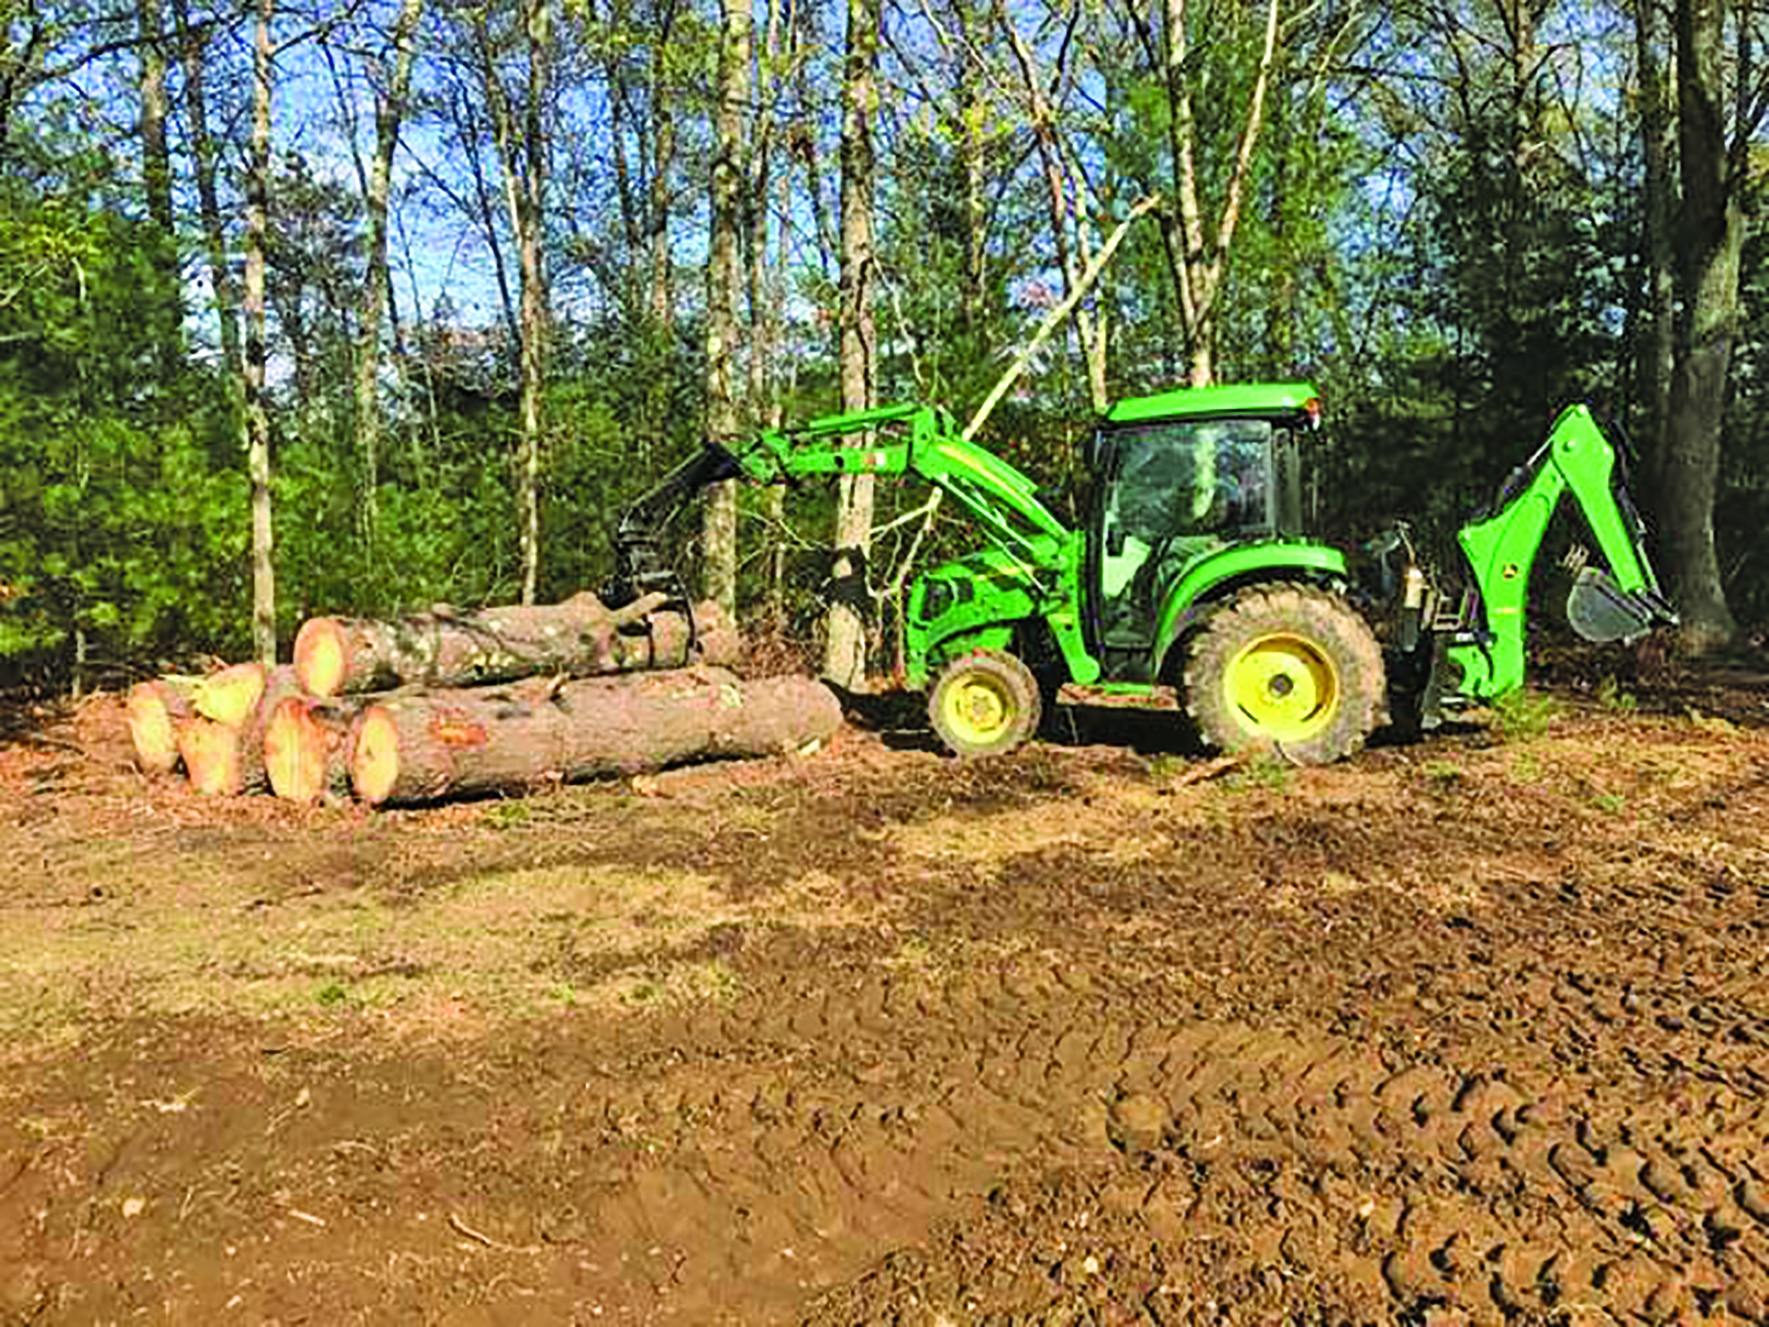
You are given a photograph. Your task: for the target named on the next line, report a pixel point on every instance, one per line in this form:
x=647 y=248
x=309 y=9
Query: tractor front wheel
x=985 y=703
x=1289 y=667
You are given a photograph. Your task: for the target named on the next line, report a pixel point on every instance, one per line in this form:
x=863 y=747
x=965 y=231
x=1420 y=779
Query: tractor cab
x=1177 y=480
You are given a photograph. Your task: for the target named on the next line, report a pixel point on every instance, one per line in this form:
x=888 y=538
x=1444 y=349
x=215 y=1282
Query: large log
x=155 y=710
x=425 y=746
x=581 y=637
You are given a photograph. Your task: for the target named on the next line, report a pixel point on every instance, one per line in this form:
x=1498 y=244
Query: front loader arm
x=921 y=441
x=898 y=440
x=1622 y=603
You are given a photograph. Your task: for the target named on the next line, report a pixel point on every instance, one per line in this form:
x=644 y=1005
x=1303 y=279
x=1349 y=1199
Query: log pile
x=453 y=704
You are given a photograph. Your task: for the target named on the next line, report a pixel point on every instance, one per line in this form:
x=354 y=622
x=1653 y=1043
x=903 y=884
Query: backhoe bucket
x=1600 y=610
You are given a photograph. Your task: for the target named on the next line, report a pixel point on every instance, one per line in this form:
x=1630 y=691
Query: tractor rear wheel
x=1290 y=667
x=985 y=703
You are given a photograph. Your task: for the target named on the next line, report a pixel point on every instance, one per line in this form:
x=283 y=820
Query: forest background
x=356 y=309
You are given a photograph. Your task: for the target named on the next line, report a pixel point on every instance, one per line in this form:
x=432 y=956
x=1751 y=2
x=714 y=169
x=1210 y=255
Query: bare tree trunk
x=663 y=156
x=156 y=162
x=1710 y=232
x=1657 y=352
x=775 y=411
x=1197 y=250
x=534 y=291
x=155 y=157
x=466 y=124
x=581 y=636
x=191 y=45
x=1279 y=338
x=767 y=277
x=255 y=419
x=1066 y=203
x=719 y=530
x=844 y=654
x=22 y=48
x=389 y=110
x=420 y=747
x=970 y=151
x=632 y=225
x=525 y=171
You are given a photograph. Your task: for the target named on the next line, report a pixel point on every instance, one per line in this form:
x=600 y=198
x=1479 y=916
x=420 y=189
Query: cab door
x=1169 y=492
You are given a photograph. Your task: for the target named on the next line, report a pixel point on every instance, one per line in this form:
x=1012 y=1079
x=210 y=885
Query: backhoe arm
x=1622 y=603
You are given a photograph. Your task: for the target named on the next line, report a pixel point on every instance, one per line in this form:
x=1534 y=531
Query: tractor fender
x=1222 y=573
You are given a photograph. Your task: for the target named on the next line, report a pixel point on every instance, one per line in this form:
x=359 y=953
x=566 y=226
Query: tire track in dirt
x=1554 y=1113
x=1426 y=1187
x=1617 y=1168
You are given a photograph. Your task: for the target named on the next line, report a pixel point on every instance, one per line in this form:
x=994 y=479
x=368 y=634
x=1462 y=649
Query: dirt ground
x=1464 y=1031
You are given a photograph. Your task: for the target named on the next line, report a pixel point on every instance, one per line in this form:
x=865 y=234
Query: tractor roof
x=1264 y=398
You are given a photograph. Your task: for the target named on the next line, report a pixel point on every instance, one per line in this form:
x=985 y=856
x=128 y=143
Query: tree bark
x=663 y=157
x=580 y=637
x=535 y=322
x=256 y=420
x=445 y=744
x=389 y=112
x=844 y=654
x=1066 y=203
x=156 y=163
x=971 y=139
x=156 y=159
x=1710 y=233
x=525 y=175
x=769 y=171
x=723 y=282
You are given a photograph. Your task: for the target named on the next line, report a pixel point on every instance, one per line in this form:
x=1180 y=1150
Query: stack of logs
x=448 y=704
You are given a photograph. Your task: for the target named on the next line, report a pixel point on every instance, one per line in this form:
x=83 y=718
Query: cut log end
x=211 y=754
x=230 y=696
x=374 y=760
x=321 y=656
x=153 y=710
x=294 y=752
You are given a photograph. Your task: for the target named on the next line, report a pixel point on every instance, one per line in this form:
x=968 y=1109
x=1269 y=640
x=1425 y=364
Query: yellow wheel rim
x=1284 y=685
x=978 y=709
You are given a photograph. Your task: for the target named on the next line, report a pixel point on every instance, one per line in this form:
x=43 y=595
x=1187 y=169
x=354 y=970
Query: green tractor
x=1195 y=570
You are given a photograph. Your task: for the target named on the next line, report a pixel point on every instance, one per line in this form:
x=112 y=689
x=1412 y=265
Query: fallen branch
x=480 y=1237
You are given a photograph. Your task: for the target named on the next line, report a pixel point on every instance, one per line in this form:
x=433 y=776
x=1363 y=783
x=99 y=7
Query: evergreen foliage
x=122 y=533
